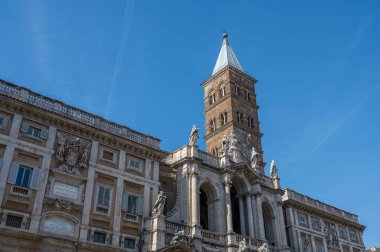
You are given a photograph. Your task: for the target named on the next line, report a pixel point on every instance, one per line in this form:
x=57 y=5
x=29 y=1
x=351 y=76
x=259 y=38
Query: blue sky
x=141 y=63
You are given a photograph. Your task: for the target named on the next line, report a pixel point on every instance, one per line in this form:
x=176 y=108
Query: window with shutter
x=24 y=127
x=24 y=175
x=103 y=200
x=44 y=133
x=13 y=171
x=124 y=205
x=132 y=204
x=35 y=178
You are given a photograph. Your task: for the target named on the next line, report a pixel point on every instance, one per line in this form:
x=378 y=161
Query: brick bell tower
x=230 y=103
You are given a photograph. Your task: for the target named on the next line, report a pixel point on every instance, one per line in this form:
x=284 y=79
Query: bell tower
x=230 y=103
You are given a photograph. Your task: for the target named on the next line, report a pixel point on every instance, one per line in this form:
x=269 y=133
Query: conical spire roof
x=226 y=56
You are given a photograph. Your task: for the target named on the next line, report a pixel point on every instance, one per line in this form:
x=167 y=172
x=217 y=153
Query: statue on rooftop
x=193 y=136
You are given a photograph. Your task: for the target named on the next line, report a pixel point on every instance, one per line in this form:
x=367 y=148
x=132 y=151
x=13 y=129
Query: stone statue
x=307 y=244
x=254 y=158
x=273 y=170
x=233 y=140
x=263 y=248
x=242 y=246
x=193 y=136
x=248 y=140
x=224 y=149
x=180 y=236
x=159 y=205
x=72 y=153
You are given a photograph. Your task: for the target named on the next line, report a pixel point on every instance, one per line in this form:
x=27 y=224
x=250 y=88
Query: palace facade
x=74 y=181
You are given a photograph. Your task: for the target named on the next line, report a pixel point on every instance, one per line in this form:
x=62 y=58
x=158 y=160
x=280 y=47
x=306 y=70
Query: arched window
x=238 y=117
x=222 y=91
x=248 y=95
x=212 y=99
x=236 y=89
x=223 y=118
x=213 y=125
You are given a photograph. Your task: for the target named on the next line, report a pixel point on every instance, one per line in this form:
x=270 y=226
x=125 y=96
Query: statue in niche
x=263 y=247
x=73 y=153
x=193 y=136
x=242 y=246
x=159 y=205
x=273 y=170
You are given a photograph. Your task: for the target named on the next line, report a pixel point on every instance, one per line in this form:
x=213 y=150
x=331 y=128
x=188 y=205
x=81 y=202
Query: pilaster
x=117 y=212
x=241 y=215
x=5 y=166
x=250 y=216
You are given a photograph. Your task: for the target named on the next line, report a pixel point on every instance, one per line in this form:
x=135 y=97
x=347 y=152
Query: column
x=146 y=213
x=227 y=186
x=155 y=179
x=281 y=229
x=117 y=212
x=250 y=217
x=241 y=215
x=5 y=166
x=260 y=215
x=42 y=181
x=89 y=193
x=194 y=199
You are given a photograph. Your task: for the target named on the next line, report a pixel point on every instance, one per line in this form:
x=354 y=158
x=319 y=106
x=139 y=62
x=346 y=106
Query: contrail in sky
x=127 y=23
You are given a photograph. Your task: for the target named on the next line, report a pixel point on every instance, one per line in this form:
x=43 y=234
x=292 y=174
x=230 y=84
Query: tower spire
x=226 y=56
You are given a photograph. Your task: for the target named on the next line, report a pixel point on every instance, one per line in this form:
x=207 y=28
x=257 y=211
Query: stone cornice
x=72 y=126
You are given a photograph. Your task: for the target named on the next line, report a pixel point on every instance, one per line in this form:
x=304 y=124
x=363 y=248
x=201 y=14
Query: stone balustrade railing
x=173 y=227
x=208 y=158
x=213 y=237
x=251 y=242
x=60 y=108
x=292 y=195
x=189 y=151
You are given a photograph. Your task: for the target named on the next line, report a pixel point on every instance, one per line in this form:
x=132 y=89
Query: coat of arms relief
x=73 y=153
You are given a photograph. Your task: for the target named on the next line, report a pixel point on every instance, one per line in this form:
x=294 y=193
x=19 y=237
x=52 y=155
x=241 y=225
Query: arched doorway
x=207 y=207
x=269 y=219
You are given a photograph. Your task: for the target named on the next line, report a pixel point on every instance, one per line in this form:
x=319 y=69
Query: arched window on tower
x=236 y=89
x=212 y=99
x=222 y=91
x=212 y=125
x=247 y=96
x=223 y=118
x=238 y=117
x=250 y=122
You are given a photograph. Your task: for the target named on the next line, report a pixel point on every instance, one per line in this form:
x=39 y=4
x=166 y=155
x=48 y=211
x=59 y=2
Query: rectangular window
x=108 y=155
x=24 y=176
x=352 y=236
x=316 y=223
x=3 y=121
x=104 y=195
x=129 y=243
x=302 y=219
x=342 y=232
x=134 y=163
x=100 y=237
x=13 y=221
x=132 y=204
x=33 y=131
x=319 y=248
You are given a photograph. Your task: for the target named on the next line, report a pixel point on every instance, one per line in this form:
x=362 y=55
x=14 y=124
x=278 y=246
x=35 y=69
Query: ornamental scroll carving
x=73 y=153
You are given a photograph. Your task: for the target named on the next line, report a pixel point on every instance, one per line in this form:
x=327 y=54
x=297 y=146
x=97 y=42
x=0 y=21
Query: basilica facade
x=73 y=181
